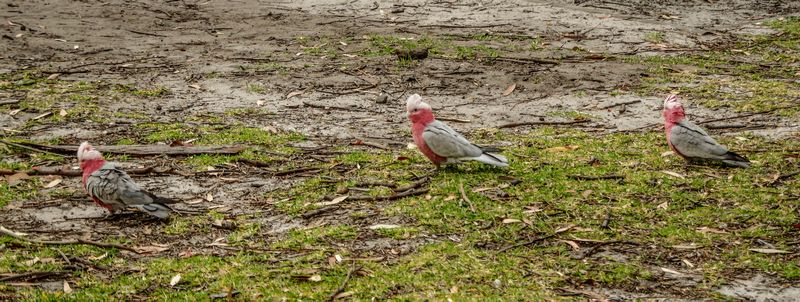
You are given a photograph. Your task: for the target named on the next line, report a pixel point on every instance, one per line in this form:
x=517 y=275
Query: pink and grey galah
x=692 y=142
x=440 y=143
x=113 y=189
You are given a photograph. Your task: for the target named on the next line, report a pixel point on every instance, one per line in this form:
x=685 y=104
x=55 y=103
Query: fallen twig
x=413 y=185
x=62 y=171
x=344 y=283
x=389 y=197
x=328 y=107
x=529 y=242
x=142 y=149
x=619 y=104
x=465 y=198
x=16 y=235
x=597 y=247
x=599 y=177
x=747 y=114
x=254 y=163
x=370 y=144
x=145 y=33
x=454 y=120
x=465 y=26
x=21 y=146
x=8 y=102
x=319 y=211
x=511 y=125
x=31 y=276
x=783 y=177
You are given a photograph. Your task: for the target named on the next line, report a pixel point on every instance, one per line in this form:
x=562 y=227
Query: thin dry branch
x=529 y=242
x=62 y=171
x=465 y=198
x=141 y=149
x=16 y=235
x=511 y=125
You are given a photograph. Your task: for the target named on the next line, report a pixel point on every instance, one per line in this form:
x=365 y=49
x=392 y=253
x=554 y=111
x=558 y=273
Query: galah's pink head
x=87 y=152
x=673 y=110
x=418 y=111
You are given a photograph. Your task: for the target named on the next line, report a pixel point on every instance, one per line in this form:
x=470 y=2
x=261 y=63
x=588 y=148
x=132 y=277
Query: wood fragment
x=341 y=288
x=141 y=149
x=529 y=242
x=511 y=125
x=389 y=197
x=63 y=171
x=747 y=114
x=8 y=102
x=598 y=177
x=16 y=235
x=145 y=33
x=31 y=276
x=619 y=104
x=465 y=198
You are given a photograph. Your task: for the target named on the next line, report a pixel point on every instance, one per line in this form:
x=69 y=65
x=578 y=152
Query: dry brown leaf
x=510 y=89
x=195 y=86
x=14 y=112
x=586 y=193
x=294 y=93
x=454 y=289
x=663 y=205
x=315 y=278
x=333 y=202
x=17 y=178
x=711 y=230
x=668 y=153
x=688 y=263
x=209 y=197
x=383 y=226
x=666 y=270
x=32 y=261
x=573 y=244
x=53 y=183
x=151 y=249
x=42 y=115
x=450 y=197
x=175 y=280
x=62 y=113
x=53 y=76
x=686 y=246
x=562 y=148
x=343 y=295
x=511 y=220
x=770 y=251
x=67 y=289
x=673 y=174
x=194 y=201
x=101 y=257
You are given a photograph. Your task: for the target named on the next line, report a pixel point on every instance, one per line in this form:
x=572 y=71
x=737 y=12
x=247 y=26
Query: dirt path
x=325 y=70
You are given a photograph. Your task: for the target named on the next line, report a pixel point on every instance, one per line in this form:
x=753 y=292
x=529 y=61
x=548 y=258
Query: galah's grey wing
x=115 y=187
x=693 y=142
x=103 y=184
x=447 y=143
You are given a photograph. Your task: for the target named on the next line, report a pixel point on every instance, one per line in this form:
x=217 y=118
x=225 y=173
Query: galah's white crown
x=414 y=101
x=87 y=152
x=671 y=102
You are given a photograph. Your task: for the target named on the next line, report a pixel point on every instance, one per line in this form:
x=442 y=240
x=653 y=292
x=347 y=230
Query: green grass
x=751 y=74
x=471 y=265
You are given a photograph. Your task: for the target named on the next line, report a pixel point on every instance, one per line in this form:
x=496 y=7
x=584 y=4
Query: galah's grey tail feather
x=492 y=159
x=156 y=209
x=736 y=160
